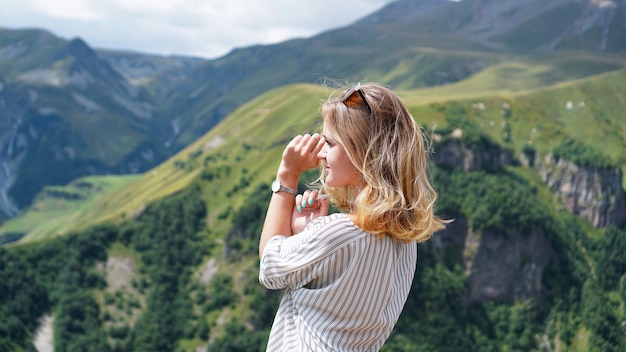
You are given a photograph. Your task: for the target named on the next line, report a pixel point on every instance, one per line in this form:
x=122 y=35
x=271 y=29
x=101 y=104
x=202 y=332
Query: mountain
x=67 y=113
x=426 y=43
x=74 y=111
x=514 y=26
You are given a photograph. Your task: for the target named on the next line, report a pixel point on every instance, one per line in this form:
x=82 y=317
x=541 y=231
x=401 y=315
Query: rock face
x=500 y=267
x=12 y=153
x=595 y=195
x=454 y=153
x=509 y=266
x=506 y=267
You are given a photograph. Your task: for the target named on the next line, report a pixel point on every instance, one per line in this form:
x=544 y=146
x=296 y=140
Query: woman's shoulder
x=337 y=223
x=332 y=231
x=335 y=219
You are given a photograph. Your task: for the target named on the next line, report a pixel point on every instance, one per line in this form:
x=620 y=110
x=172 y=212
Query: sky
x=200 y=28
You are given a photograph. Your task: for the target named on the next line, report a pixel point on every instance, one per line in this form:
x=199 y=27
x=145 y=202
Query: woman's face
x=338 y=167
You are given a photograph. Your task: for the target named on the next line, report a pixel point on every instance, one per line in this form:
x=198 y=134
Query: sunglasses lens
x=354 y=98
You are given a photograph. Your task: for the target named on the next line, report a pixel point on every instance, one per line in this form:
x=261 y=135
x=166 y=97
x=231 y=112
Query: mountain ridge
x=168 y=102
x=259 y=120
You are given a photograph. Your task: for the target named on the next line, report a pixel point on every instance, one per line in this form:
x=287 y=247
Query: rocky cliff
x=483 y=154
x=508 y=267
x=11 y=152
x=499 y=267
x=595 y=194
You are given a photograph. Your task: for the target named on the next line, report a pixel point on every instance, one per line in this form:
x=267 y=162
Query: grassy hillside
x=587 y=110
x=242 y=152
x=239 y=154
x=522 y=75
x=55 y=210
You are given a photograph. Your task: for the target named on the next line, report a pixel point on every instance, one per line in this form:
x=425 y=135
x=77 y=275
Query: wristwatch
x=278 y=187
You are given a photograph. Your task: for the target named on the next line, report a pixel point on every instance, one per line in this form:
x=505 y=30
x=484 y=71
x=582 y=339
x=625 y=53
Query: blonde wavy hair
x=387 y=147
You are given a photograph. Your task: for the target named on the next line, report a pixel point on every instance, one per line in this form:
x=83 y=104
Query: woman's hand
x=300 y=155
x=308 y=206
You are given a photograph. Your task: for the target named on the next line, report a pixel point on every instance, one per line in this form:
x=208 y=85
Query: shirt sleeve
x=292 y=261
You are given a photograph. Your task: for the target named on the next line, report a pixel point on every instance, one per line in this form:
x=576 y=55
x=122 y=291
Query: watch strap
x=287 y=190
x=283 y=188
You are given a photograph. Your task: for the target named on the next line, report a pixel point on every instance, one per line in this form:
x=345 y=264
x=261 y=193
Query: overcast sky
x=203 y=28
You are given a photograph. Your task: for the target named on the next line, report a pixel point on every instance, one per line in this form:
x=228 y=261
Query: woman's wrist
x=288 y=177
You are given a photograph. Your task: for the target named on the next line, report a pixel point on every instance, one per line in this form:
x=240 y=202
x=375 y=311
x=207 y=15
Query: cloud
x=62 y=9
x=204 y=28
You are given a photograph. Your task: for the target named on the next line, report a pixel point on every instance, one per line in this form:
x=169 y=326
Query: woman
x=347 y=275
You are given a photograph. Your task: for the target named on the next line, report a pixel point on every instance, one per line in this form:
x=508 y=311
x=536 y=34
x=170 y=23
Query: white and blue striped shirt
x=345 y=289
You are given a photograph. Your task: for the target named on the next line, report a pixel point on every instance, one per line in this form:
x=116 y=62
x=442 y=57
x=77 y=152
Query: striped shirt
x=344 y=288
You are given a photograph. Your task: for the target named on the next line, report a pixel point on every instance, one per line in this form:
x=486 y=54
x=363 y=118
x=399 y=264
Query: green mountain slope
x=412 y=44
x=253 y=136
x=56 y=207
x=75 y=111
x=588 y=110
x=193 y=222
x=241 y=152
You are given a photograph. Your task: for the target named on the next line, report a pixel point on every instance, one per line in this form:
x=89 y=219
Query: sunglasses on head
x=354 y=98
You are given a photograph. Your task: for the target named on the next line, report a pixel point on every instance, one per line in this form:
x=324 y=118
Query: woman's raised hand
x=301 y=153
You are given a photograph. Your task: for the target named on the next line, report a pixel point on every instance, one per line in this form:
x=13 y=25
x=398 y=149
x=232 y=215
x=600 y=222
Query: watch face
x=276 y=186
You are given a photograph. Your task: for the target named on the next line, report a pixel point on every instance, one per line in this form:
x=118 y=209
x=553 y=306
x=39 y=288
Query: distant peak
x=81 y=54
x=77 y=47
x=404 y=10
